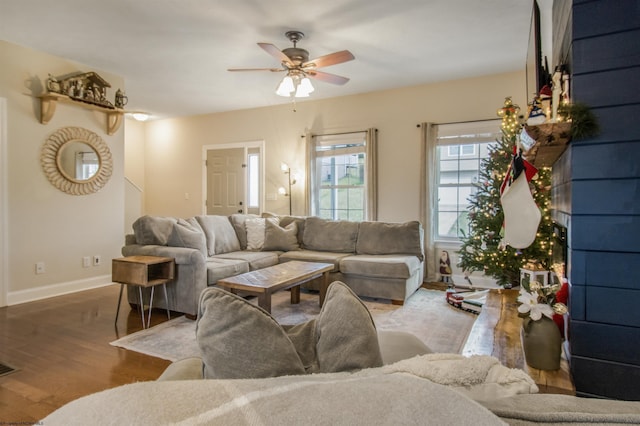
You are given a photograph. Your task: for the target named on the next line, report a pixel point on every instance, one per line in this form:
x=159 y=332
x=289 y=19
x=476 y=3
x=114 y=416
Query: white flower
x=530 y=305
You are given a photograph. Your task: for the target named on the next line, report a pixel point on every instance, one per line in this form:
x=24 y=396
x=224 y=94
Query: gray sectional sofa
x=375 y=259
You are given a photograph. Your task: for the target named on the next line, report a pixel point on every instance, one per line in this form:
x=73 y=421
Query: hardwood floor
x=60 y=348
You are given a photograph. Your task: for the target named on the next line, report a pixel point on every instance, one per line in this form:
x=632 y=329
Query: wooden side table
x=143 y=272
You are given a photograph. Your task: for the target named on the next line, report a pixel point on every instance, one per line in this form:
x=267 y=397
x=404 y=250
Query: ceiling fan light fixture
x=286 y=87
x=306 y=85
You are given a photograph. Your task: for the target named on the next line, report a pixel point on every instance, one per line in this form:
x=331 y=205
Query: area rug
x=426 y=314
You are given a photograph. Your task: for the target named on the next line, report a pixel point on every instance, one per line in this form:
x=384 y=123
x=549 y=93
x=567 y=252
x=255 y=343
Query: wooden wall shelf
x=551 y=141
x=49 y=102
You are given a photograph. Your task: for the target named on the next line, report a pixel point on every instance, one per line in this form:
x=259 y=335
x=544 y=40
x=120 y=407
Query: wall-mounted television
x=537 y=74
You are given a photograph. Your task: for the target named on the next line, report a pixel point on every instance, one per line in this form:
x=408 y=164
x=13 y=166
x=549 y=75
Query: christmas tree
x=481 y=248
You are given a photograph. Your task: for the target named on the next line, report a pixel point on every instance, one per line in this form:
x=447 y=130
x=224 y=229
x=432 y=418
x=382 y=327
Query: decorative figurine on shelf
x=536 y=114
x=445 y=267
x=53 y=85
x=121 y=99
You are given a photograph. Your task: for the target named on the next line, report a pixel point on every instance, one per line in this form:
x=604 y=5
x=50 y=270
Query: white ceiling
x=174 y=54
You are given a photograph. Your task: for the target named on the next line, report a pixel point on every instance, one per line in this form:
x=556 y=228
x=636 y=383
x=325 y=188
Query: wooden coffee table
x=264 y=282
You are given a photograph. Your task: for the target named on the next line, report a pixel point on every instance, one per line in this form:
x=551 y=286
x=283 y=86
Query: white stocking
x=521 y=214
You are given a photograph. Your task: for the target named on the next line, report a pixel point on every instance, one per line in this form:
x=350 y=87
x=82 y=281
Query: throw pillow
x=153 y=230
x=277 y=238
x=347 y=337
x=239 y=340
x=255 y=232
x=238 y=222
x=299 y=220
x=185 y=234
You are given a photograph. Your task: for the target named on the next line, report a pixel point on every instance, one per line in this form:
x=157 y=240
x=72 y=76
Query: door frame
x=4 y=205
x=260 y=145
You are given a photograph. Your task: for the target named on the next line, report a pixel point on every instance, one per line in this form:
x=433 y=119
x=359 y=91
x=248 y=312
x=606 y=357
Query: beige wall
x=43 y=223
x=173 y=149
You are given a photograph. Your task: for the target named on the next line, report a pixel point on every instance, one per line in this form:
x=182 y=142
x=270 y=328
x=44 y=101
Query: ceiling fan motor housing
x=298 y=56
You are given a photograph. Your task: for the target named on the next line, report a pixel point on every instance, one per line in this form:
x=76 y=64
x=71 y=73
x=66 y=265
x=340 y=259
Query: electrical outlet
x=86 y=262
x=97 y=260
x=40 y=268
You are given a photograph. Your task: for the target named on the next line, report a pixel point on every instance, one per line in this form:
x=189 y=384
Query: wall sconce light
x=292 y=181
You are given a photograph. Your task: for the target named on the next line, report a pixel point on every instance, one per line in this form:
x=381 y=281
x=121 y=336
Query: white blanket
x=400 y=393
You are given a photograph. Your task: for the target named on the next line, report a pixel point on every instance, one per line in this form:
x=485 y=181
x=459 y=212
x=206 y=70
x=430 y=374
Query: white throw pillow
x=255 y=231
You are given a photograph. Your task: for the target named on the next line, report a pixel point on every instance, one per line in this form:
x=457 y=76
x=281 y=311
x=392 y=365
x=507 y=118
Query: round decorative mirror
x=76 y=161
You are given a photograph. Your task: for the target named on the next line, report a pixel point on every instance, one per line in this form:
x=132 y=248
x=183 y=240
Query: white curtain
x=371 y=157
x=428 y=195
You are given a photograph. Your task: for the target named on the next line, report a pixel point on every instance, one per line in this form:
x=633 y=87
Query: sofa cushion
x=221 y=237
x=238 y=223
x=255 y=228
x=299 y=220
x=315 y=256
x=255 y=259
x=390 y=238
x=330 y=235
x=153 y=230
x=185 y=234
x=239 y=340
x=341 y=347
x=218 y=269
x=277 y=238
x=380 y=266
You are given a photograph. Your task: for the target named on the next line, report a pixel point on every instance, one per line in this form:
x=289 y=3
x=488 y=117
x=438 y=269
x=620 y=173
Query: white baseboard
x=39 y=293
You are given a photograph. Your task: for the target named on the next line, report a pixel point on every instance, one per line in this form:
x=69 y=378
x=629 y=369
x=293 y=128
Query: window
x=253 y=175
x=339 y=173
x=460 y=151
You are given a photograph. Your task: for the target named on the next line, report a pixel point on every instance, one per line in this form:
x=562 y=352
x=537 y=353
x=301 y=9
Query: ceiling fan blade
x=330 y=59
x=326 y=77
x=256 y=69
x=276 y=53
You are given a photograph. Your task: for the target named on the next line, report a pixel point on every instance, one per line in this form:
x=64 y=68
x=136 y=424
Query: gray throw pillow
x=277 y=238
x=347 y=337
x=299 y=220
x=186 y=234
x=238 y=222
x=153 y=230
x=239 y=340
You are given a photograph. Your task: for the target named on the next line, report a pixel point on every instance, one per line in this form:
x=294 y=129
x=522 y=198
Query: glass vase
x=542 y=343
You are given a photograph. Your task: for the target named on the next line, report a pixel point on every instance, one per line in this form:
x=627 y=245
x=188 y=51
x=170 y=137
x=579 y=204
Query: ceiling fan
x=295 y=61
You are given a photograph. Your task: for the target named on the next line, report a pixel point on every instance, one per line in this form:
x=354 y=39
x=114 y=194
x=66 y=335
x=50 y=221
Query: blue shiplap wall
x=597 y=191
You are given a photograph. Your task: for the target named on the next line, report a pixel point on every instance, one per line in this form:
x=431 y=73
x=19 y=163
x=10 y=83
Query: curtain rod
x=463 y=122
x=338 y=134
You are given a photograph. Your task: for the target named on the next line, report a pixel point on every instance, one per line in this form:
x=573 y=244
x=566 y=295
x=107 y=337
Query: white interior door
x=225 y=181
